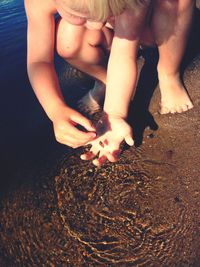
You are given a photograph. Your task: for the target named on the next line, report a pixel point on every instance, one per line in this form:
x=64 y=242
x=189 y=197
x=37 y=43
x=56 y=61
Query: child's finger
x=88 y=155
x=100 y=161
x=94 y=150
x=129 y=140
x=80 y=136
x=116 y=153
x=83 y=121
x=111 y=157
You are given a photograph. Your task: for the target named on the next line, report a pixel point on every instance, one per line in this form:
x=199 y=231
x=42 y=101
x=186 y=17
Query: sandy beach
x=144 y=210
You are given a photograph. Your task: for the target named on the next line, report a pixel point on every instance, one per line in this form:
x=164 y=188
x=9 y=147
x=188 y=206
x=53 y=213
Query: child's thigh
x=69 y=38
x=72 y=40
x=168 y=13
x=174 y=5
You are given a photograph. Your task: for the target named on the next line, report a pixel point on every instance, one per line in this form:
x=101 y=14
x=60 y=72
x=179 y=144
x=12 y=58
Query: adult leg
x=171 y=25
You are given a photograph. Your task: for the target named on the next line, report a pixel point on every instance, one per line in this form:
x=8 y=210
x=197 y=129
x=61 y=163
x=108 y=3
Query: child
x=87 y=32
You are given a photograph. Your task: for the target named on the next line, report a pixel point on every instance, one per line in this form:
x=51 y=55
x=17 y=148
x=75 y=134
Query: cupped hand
x=111 y=132
x=65 y=122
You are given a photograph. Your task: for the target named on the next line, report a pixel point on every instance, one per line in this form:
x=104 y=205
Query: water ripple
x=12 y=32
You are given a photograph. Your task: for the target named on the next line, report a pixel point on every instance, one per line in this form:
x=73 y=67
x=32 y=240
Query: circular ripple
x=119 y=215
x=31 y=231
x=114 y=213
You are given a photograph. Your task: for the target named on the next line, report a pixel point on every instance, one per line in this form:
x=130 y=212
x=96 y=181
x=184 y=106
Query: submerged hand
x=111 y=132
x=65 y=121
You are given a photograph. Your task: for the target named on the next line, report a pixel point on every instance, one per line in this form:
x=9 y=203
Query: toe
x=190 y=105
x=175 y=110
x=180 y=109
x=185 y=108
x=163 y=110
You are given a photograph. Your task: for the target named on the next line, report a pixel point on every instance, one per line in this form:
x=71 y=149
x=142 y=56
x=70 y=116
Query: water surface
x=12 y=36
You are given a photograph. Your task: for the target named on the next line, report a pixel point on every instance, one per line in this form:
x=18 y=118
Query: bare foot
x=90 y=103
x=174 y=98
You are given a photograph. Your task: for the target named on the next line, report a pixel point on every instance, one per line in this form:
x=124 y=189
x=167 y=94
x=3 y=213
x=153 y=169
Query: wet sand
x=141 y=211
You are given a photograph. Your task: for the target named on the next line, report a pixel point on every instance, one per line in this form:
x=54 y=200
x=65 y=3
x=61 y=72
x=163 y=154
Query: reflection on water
x=135 y=212
x=25 y=135
x=12 y=36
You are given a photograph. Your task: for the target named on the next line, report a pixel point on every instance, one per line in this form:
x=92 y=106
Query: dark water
x=26 y=136
x=139 y=212
x=12 y=36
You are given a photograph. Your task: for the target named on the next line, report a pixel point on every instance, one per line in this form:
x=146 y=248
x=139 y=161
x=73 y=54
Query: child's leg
x=91 y=102
x=171 y=24
x=86 y=50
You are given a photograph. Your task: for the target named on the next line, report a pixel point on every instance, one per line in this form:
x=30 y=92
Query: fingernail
x=93 y=135
x=131 y=143
x=96 y=162
x=83 y=157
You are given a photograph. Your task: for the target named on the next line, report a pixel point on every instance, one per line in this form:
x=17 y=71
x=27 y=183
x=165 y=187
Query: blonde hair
x=101 y=9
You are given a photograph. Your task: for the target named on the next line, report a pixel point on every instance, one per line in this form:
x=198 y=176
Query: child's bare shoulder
x=40 y=15
x=39 y=8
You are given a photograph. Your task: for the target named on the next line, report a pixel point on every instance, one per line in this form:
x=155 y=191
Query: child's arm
x=43 y=78
x=121 y=81
x=122 y=65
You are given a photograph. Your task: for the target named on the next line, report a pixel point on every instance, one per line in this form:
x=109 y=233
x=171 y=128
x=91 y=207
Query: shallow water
x=12 y=36
x=136 y=212
x=141 y=211
x=26 y=134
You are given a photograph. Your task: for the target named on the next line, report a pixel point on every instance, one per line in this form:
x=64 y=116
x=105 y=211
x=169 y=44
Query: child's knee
x=77 y=43
x=66 y=51
x=68 y=43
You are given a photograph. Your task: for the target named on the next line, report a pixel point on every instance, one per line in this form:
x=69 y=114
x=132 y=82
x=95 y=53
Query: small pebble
x=150 y=136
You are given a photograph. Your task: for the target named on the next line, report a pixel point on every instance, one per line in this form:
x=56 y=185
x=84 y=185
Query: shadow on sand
x=142 y=210
x=139 y=115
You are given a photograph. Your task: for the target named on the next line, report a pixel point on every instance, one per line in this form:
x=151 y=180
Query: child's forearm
x=45 y=84
x=121 y=77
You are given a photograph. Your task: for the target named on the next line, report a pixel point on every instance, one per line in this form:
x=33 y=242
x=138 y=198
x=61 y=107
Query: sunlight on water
x=12 y=33
x=3 y=2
